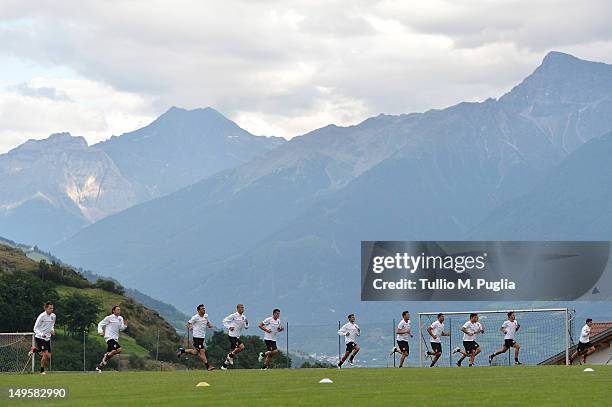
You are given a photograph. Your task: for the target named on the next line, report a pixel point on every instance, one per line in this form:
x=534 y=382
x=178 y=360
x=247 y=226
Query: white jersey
x=585 y=334
x=199 y=325
x=43 y=327
x=238 y=322
x=273 y=325
x=353 y=332
x=436 y=328
x=403 y=325
x=474 y=328
x=510 y=327
x=110 y=326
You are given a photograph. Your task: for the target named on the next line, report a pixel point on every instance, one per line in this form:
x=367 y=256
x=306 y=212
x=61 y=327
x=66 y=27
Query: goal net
x=14 y=348
x=543 y=335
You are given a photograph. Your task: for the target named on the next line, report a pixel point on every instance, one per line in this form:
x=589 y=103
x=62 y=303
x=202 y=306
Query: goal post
x=14 y=348
x=544 y=335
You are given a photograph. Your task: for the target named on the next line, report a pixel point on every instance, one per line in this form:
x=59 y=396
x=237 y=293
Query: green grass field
x=532 y=386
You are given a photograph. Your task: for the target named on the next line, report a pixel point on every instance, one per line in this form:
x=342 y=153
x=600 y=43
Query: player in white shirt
x=402 y=332
x=109 y=328
x=350 y=331
x=436 y=331
x=198 y=324
x=470 y=329
x=271 y=326
x=44 y=328
x=585 y=347
x=235 y=324
x=509 y=329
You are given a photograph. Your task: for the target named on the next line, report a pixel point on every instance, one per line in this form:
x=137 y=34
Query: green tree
x=78 y=313
x=22 y=296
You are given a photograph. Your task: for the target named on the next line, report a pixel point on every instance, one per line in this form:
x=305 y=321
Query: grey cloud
x=27 y=89
x=274 y=56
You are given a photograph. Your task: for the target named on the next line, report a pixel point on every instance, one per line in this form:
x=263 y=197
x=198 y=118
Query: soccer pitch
x=540 y=385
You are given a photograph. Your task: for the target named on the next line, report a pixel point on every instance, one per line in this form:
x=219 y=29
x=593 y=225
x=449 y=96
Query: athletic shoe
x=339 y=366
x=458 y=363
x=223 y=367
x=264 y=367
x=584 y=361
x=517 y=363
x=43 y=372
x=98 y=369
x=260 y=358
x=456 y=350
x=491 y=356
x=179 y=352
x=394 y=350
x=210 y=368
x=351 y=362
x=230 y=359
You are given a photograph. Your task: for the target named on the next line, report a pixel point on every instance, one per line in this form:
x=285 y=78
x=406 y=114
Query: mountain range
x=286 y=225
x=54 y=187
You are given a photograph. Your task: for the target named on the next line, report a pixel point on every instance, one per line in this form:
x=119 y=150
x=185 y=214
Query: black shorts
x=436 y=347
x=583 y=346
x=43 y=345
x=403 y=346
x=270 y=345
x=470 y=346
x=112 y=345
x=508 y=343
x=234 y=342
x=198 y=344
x=350 y=346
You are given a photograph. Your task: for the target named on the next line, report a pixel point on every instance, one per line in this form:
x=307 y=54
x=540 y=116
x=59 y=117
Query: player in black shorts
x=350 y=331
x=198 y=324
x=436 y=331
x=403 y=332
x=585 y=347
x=509 y=328
x=470 y=329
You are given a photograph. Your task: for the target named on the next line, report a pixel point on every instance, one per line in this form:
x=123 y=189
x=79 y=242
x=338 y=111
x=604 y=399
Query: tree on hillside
x=78 y=313
x=22 y=296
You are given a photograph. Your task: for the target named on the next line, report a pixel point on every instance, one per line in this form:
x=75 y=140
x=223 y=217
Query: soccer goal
x=14 y=348
x=543 y=334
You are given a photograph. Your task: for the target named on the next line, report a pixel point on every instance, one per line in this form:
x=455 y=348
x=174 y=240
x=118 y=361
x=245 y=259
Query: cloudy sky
x=275 y=67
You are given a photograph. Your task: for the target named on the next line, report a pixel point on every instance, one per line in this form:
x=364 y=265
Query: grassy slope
x=142 y=321
x=107 y=300
x=541 y=386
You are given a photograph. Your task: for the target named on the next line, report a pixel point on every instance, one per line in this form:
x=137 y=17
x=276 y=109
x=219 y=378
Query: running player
x=235 y=324
x=436 y=331
x=271 y=326
x=44 y=328
x=470 y=329
x=402 y=332
x=350 y=331
x=585 y=347
x=198 y=324
x=509 y=329
x=110 y=327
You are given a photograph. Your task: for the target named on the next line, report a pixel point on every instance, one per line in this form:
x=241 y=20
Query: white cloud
x=265 y=63
x=41 y=106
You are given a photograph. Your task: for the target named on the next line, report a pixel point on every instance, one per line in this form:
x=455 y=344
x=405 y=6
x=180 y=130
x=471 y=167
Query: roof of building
x=600 y=332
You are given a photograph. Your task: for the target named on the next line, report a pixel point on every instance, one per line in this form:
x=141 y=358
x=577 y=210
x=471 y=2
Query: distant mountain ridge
x=286 y=225
x=52 y=188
